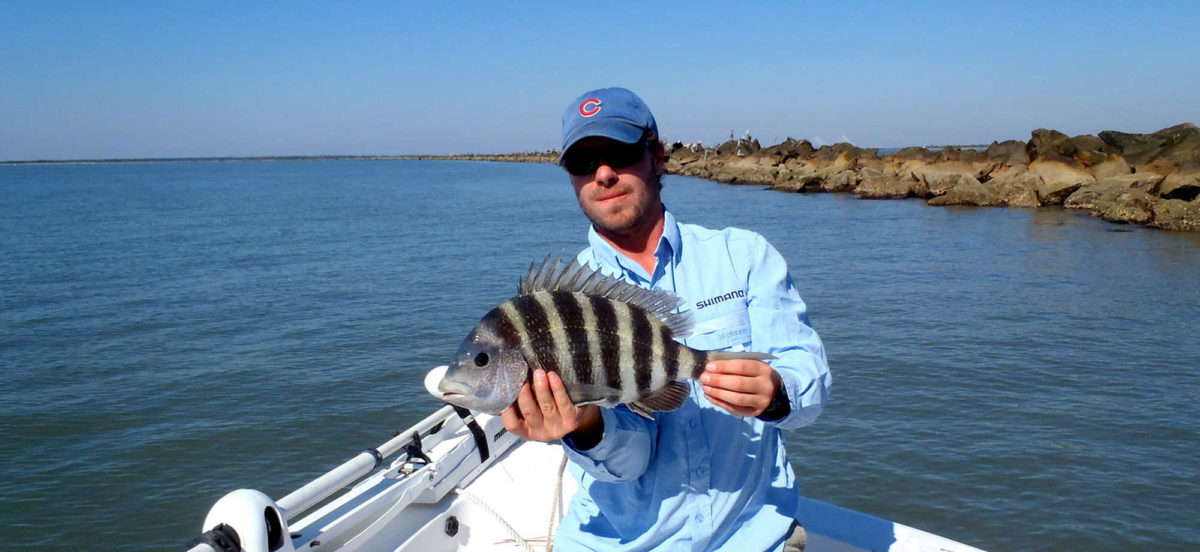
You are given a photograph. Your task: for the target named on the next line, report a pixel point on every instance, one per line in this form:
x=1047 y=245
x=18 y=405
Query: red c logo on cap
x=589 y=107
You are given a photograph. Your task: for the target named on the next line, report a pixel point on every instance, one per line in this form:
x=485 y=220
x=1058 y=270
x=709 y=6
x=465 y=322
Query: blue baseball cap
x=614 y=113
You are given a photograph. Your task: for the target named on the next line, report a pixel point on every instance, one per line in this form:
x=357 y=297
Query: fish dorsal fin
x=670 y=398
x=575 y=277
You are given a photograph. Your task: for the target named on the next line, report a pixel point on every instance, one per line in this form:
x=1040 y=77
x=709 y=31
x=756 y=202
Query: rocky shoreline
x=549 y=156
x=1148 y=179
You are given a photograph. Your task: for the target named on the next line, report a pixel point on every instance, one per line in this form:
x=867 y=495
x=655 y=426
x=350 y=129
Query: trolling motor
x=250 y=521
x=244 y=520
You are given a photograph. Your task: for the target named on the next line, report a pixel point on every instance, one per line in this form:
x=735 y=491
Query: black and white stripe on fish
x=610 y=342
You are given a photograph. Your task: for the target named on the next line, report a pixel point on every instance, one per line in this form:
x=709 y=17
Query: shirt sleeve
x=624 y=451
x=779 y=325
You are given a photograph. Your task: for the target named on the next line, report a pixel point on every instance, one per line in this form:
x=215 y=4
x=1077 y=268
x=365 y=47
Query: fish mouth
x=453 y=389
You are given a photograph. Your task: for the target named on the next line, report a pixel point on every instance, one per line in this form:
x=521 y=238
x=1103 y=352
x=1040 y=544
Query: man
x=714 y=474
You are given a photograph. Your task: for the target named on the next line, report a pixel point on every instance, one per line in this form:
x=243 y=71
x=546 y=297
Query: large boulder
x=698 y=170
x=1135 y=148
x=1009 y=153
x=673 y=166
x=738 y=148
x=887 y=186
x=683 y=156
x=846 y=160
x=908 y=168
x=789 y=149
x=1181 y=185
x=965 y=190
x=1177 y=146
x=842 y=182
x=873 y=163
x=1092 y=195
x=1090 y=150
x=1059 y=180
x=1177 y=214
x=746 y=171
x=1133 y=206
x=1112 y=165
x=840 y=149
x=805 y=179
x=1015 y=187
x=914 y=152
x=1146 y=182
x=1181 y=151
x=955 y=153
x=940 y=184
x=941 y=177
x=1097 y=195
x=1050 y=145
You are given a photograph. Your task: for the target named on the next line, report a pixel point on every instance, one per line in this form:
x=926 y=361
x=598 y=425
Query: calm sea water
x=1014 y=379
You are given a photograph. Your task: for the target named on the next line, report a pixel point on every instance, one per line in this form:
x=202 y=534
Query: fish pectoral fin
x=670 y=398
x=602 y=395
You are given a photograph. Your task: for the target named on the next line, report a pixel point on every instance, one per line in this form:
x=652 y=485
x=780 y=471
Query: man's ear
x=660 y=158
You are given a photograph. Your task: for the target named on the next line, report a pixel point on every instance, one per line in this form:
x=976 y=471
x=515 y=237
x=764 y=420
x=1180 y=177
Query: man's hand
x=743 y=387
x=544 y=412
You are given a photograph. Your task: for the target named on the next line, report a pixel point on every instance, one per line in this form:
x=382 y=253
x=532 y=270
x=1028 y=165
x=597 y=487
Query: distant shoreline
x=523 y=157
x=1147 y=179
x=549 y=156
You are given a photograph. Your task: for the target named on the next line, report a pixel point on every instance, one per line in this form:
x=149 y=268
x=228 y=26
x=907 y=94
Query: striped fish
x=610 y=342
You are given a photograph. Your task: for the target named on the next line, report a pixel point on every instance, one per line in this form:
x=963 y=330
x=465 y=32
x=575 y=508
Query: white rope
x=556 y=498
x=508 y=528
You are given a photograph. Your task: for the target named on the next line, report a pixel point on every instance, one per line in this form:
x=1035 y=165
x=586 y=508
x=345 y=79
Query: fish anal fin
x=670 y=398
x=640 y=410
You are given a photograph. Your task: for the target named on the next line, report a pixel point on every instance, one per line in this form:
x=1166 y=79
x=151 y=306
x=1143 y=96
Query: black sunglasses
x=581 y=161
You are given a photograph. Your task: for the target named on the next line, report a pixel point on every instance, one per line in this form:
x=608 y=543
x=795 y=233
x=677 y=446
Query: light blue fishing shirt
x=700 y=478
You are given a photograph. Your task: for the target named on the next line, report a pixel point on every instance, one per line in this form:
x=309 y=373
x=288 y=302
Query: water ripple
x=1016 y=379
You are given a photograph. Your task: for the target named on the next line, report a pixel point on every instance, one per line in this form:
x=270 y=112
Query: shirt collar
x=667 y=250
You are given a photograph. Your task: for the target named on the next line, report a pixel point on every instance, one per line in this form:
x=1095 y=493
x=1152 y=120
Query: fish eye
x=481 y=359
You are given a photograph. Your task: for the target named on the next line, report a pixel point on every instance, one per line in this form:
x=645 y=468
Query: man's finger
x=541 y=390
x=528 y=406
x=738 y=383
x=561 y=398
x=739 y=366
x=752 y=402
x=512 y=420
x=731 y=397
x=733 y=408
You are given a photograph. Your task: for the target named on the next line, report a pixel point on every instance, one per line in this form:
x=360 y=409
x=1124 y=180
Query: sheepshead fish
x=611 y=343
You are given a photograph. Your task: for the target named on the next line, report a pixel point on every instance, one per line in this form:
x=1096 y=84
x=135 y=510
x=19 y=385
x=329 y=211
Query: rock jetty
x=1148 y=179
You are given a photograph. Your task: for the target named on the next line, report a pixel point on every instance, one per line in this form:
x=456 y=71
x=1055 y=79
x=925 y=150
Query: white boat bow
x=456 y=481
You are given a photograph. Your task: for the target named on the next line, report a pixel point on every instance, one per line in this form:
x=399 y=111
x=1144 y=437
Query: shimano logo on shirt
x=720 y=299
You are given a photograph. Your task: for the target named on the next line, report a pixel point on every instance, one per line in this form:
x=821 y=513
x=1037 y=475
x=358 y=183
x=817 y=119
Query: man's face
x=618 y=200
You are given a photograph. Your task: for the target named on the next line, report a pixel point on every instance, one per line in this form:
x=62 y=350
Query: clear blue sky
x=166 y=79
